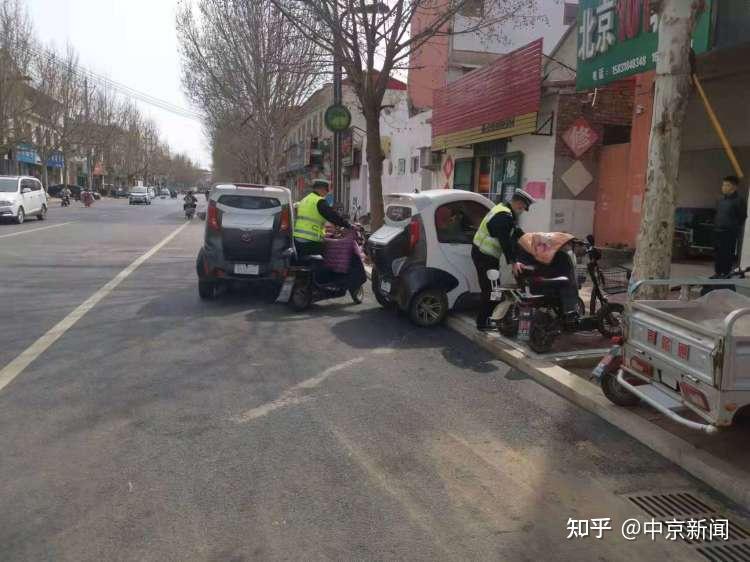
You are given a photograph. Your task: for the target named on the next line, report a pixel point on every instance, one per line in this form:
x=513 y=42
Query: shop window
x=401 y=166
x=414 y=164
x=484 y=183
x=463 y=176
x=457 y=222
x=616 y=134
x=472 y=9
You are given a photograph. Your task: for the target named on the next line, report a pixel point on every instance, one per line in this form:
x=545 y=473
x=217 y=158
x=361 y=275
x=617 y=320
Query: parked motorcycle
x=330 y=276
x=533 y=312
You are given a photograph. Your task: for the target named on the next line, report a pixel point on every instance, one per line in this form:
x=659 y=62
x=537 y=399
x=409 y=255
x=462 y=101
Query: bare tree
x=373 y=39
x=16 y=40
x=653 y=255
x=247 y=67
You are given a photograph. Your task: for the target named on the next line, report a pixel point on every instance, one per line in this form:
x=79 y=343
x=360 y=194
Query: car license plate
x=385 y=287
x=246 y=269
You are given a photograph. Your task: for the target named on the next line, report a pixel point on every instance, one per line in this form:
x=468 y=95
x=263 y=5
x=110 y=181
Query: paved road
x=148 y=425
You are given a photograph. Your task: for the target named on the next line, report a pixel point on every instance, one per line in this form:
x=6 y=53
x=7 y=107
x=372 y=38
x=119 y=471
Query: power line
x=127 y=91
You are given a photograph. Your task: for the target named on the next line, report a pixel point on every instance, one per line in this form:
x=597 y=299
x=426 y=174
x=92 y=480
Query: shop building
x=309 y=144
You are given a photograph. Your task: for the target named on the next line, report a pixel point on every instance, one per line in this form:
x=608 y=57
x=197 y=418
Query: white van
x=22 y=196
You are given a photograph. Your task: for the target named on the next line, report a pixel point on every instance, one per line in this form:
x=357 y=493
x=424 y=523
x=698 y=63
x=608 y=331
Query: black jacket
x=331 y=216
x=503 y=227
x=731 y=213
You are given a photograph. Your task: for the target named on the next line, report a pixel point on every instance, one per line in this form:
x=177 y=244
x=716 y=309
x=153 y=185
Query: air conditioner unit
x=429 y=159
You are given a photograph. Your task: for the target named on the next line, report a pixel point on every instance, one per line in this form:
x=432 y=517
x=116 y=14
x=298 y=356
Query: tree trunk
x=375 y=166
x=653 y=255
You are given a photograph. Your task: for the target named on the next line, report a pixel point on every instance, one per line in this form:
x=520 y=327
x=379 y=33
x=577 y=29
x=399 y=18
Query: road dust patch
x=294 y=395
x=19 y=364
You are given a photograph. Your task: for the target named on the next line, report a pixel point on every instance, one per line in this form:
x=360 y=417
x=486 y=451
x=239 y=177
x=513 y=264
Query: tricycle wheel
x=542 y=332
x=358 y=294
x=301 y=298
x=616 y=393
x=610 y=320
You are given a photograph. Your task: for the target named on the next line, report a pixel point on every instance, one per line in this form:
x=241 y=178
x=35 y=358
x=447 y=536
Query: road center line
x=17 y=366
x=35 y=229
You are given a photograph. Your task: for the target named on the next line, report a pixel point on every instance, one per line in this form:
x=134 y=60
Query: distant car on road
x=248 y=236
x=164 y=193
x=139 y=195
x=22 y=196
x=120 y=193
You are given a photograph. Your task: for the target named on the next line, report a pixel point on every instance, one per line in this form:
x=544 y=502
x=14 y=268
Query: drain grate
x=685 y=505
x=678 y=504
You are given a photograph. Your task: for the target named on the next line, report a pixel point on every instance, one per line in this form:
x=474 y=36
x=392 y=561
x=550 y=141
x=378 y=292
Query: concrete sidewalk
x=720 y=460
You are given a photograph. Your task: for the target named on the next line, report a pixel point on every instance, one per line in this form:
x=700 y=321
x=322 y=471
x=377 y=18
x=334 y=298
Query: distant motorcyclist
x=312 y=214
x=189 y=200
x=495 y=244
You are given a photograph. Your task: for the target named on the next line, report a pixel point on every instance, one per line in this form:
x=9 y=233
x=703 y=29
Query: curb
x=718 y=474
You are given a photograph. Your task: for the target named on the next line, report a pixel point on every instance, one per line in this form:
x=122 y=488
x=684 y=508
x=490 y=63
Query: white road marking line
x=291 y=396
x=17 y=366
x=35 y=229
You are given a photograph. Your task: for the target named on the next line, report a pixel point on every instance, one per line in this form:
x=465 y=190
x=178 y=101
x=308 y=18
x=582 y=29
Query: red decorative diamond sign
x=580 y=137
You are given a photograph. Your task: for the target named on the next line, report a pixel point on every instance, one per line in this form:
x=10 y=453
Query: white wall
x=538 y=166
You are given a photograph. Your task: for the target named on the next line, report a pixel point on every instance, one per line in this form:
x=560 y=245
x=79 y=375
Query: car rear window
x=398 y=213
x=249 y=203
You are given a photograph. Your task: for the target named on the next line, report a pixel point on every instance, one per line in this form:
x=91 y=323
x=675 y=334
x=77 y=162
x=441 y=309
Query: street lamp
x=338 y=178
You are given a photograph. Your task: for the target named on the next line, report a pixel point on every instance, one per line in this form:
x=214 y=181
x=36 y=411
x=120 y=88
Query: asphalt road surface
x=140 y=423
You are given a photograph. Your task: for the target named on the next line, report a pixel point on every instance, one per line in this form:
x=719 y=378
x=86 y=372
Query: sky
x=132 y=42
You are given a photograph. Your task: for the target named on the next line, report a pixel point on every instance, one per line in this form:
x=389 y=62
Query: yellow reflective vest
x=483 y=240
x=309 y=224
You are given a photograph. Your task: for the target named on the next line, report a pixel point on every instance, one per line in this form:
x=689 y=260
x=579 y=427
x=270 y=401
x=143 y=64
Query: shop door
x=613 y=205
x=506 y=176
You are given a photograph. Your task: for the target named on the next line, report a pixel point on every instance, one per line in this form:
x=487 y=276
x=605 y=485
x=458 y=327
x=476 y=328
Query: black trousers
x=483 y=263
x=725 y=254
x=308 y=248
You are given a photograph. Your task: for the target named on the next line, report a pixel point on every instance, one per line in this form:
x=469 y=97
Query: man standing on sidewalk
x=731 y=213
x=494 y=246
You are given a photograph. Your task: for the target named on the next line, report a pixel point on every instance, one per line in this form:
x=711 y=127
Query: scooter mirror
x=493 y=275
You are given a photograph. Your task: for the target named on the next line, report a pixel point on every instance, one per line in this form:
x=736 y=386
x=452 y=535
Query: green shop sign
x=619 y=38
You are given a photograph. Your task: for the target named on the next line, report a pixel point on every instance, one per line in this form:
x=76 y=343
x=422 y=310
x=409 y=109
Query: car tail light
x=694 y=396
x=414 y=233
x=213 y=217
x=641 y=366
x=683 y=351
x=285 y=221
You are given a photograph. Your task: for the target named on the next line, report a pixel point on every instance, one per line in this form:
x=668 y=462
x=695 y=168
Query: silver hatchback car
x=248 y=236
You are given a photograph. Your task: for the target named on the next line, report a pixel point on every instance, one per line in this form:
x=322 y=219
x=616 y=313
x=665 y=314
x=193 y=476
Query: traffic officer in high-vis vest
x=495 y=244
x=312 y=214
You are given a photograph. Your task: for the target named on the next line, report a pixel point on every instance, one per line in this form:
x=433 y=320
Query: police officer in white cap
x=495 y=246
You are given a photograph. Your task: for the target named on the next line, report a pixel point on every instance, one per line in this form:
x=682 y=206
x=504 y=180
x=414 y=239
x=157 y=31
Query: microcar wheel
x=42 y=214
x=301 y=298
x=377 y=291
x=429 y=308
x=508 y=324
x=21 y=216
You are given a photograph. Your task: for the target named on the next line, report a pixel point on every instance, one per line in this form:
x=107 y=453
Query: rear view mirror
x=493 y=275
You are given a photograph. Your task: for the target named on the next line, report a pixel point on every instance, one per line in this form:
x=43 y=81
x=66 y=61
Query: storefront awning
x=497 y=101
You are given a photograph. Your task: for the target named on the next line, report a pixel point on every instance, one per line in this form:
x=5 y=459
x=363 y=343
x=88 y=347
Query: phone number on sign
x=631 y=529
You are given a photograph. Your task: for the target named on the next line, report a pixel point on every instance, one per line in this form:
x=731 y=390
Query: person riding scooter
x=65 y=196
x=312 y=214
x=544 y=253
x=494 y=246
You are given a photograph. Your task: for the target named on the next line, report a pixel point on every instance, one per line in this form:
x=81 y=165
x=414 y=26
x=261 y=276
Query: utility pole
x=337 y=95
x=88 y=130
